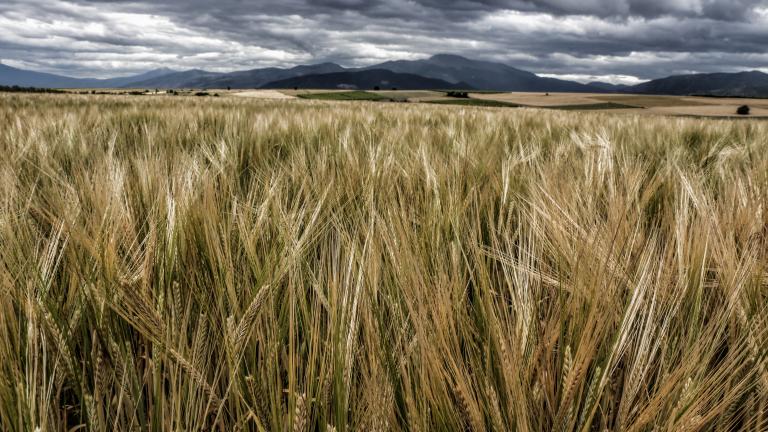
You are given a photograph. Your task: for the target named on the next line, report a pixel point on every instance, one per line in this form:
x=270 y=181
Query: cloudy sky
x=616 y=40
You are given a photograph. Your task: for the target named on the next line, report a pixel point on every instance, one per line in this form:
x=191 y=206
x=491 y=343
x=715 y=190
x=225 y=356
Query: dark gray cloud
x=716 y=9
x=615 y=39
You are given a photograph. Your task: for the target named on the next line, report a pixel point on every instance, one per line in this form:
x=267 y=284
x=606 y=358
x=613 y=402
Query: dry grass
x=539 y=99
x=410 y=95
x=651 y=101
x=309 y=91
x=264 y=94
x=718 y=110
x=233 y=264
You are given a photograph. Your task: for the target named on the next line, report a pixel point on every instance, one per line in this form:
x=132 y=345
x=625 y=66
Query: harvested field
x=264 y=94
x=540 y=99
x=634 y=104
x=710 y=110
x=355 y=95
x=410 y=95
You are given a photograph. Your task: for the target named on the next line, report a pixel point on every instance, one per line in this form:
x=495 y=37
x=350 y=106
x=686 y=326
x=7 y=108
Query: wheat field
x=187 y=264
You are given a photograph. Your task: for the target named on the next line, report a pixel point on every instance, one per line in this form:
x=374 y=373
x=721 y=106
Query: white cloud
x=113 y=42
x=619 y=39
x=612 y=79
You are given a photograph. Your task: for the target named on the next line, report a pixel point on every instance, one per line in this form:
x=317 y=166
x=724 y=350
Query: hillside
x=482 y=75
x=11 y=76
x=366 y=79
x=741 y=84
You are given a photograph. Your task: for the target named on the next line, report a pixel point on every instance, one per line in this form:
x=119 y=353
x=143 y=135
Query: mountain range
x=482 y=75
x=442 y=71
x=10 y=76
x=741 y=84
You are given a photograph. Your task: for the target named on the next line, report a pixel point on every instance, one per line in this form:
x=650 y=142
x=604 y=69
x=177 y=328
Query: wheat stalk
x=301 y=414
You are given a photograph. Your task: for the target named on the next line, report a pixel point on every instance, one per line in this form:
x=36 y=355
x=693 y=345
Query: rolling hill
x=741 y=84
x=482 y=75
x=258 y=77
x=183 y=79
x=366 y=79
x=254 y=78
x=11 y=76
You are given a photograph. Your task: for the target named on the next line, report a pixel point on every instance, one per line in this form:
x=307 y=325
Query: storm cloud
x=615 y=40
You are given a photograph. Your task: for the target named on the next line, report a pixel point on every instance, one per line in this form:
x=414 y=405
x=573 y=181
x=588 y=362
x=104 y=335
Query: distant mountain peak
x=330 y=64
x=446 y=56
x=452 y=59
x=164 y=70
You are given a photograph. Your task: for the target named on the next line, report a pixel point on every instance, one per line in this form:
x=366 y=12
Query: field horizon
x=615 y=103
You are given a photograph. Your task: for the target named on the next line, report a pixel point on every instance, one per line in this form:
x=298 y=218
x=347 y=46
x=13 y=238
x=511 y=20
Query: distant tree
x=458 y=94
x=743 y=110
x=394 y=88
x=229 y=88
x=295 y=88
x=17 y=89
x=376 y=88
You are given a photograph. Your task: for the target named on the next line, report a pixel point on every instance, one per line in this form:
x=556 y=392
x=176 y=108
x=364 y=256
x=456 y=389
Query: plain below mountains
x=443 y=71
